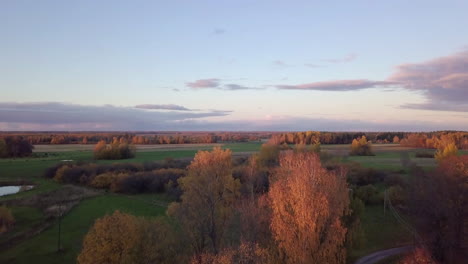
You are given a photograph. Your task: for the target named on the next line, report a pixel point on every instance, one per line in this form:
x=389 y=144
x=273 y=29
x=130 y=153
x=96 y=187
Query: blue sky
x=233 y=65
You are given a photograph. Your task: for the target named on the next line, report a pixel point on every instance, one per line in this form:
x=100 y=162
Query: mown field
x=380 y=231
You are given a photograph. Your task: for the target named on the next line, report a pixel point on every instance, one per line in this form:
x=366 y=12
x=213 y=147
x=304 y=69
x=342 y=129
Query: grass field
x=381 y=231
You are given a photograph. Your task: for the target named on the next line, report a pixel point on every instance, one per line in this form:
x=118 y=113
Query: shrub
x=368 y=194
x=424 y=154
x=394 y=180
x=361 y=176
x=397 y=195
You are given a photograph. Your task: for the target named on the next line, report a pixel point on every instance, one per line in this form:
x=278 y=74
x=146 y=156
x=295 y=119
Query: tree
x=3 y=149
x=6 y=219
x=15 y=147
x=110 y=240
x=124 y=238
x=116 y=150
x=308 y=203
x=448 y=151
x=396 y=139
x=361 y=147
x=209 y=192
x=439 y=204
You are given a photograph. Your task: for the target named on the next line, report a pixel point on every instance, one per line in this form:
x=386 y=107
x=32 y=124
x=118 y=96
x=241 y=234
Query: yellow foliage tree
x=209 y=192
x=361 y=147
x=448 y=151
x=308 y=203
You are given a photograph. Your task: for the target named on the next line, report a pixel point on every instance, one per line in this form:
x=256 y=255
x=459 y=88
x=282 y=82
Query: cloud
x=235 y=87
x=204 y=83
x=162 y=107
x=338 y=85
x=442 y=80
x=55 y=116
x=280 y=63
x=347 y=58
x=441 y=106
x=61 y=116
x=216 y=84
x=218 y=31
x=311 y=65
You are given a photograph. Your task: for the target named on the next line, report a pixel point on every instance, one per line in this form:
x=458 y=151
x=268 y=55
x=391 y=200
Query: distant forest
x=422 y=140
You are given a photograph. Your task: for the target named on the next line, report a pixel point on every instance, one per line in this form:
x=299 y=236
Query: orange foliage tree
x=207 y=202
x=307 y=204
x=417 y=256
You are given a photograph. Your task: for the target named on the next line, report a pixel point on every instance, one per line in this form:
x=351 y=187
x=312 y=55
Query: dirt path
x=382 y=254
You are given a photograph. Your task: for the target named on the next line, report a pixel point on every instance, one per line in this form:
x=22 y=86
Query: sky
x=233 y=65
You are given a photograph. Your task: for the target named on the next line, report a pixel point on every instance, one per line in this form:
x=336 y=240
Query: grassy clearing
x=25 y=219
x=42 y=248
x=381 y=232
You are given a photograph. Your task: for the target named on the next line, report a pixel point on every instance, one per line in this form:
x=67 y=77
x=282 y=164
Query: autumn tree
x=124 y=238
x=6 y=219
x=447 y=151
x=308 y=203
x=116 y=150
x=209 y=192
x=361 y=147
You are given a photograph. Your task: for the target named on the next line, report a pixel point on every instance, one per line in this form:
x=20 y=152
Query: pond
x=5 y=190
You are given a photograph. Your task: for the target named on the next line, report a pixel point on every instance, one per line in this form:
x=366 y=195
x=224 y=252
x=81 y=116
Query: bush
x=424 y=154
x=397 y=195
x=368 y=194
x=361 y=176
x=6 y=219
x=394 y=180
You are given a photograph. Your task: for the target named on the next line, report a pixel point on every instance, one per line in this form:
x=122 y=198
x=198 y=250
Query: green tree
x=209 y=192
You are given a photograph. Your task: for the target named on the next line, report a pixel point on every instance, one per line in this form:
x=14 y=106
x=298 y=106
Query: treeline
x=438 y=140
x=15 y=147
x=435 y=140
x=38 y=138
